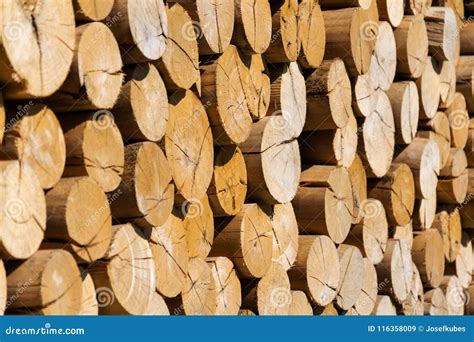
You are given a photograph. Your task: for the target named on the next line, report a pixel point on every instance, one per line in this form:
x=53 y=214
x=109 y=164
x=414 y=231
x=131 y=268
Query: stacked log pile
x=277 y=157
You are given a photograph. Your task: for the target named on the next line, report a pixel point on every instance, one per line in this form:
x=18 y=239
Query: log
x=391 y=11
x=442 y=29
x=469 y=148
x=447 y=88
x=37 y=47
x=92 y=10
x=48 y=283
x=227 y=286
x=198 y=224
x=422 y=156
x=417 y=6
x=462 y=267
x=352 y=280
x=384 y=58
x=464 y=68
x=428 y=257
x=378 y=133
x=228 y=186
x=169 y=250
x=426 y=211
x=23 y=209
x=312 y=34
x=199 y=296
x=285 y=44
x=224 y=81
x=324 y=203
x=142 y=111
x=300 y=305
x=179 y=63
x=358 y=178
x=396 y=191
x=79 y=218
x=365 y=95
x=271 y=296
x=145 y=195
x=366 y=301
x=435 y=303
x=43 y=143
x=285 y=235
x=371 y=233
x=273 y=162
x=466 y=87
x=238 y=239
x=326 y=4
x=141 y=27
x=333 y=147
x=328 y=96
x=453 y=190
x=396 y=270
x=466 y=37
x=258 y=85
x=456 y=164
x=404 y=233
x=456 y=297
x=448 y=223
x=95 y=77
x=157 y=306
x=458 y=121
x=188 y=145
x=412 y=46
x=351 y=32
x=288 y=97
x=404 y=99
x=213 y=22
x=384 y=307
x=125 y=277
x=429 y=89
x=94 y=148
x=317 y=269
x=253 y=25
x=437 y=129
x=456 y=5
x=413 y=304
x=89 y=305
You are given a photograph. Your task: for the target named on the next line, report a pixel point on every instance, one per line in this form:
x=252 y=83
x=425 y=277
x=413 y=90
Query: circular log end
x=88 y=218
x=323 y=270
x=367 y=299
x=149 y=102
x=285 y=235
x=189 y=146
x=339 y=202
x=199 y=295
x=300 y=305
x=228 y=288
x=256 y=19
x=39 y=43
x=312 y=34
x=24 y=208
x=103 y=152
x=273 y=292
x=216 y=23
x=375 y=230
x=351 y=281
x=130 y=271
x=403 y=194
x=148 y=23
x=61 y=285
x=199 y=225
x=169 y=249
x=229 y=189
x=154 y=191
x=256 y=239
x=100 y=65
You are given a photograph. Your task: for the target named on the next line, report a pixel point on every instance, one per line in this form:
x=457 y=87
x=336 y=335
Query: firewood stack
x=277 y=157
